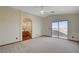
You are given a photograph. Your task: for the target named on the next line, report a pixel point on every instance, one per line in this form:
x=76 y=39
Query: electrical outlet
x=16 y=37
x=73 y=37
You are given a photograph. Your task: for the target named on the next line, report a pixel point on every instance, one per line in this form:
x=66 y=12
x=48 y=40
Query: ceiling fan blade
x=49 y=12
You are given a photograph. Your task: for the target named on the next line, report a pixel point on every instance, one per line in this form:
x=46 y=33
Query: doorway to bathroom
x=26 y=29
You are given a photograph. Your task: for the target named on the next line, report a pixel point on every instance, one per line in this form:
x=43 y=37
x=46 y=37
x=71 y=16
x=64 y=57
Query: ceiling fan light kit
x=45 y=12
x=42 y=12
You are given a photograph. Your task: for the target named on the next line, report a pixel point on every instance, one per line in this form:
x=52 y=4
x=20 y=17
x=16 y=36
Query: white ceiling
x=35 y=10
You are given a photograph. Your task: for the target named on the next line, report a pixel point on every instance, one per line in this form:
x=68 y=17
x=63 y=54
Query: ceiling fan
x=42 y=11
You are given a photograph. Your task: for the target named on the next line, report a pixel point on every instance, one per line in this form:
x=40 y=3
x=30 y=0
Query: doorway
x=60 y=29
x=26 y=29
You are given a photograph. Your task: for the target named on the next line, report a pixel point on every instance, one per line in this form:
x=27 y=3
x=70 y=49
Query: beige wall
x=78 y=27
x=36 y=24
x=10 y=25
x=73 y=24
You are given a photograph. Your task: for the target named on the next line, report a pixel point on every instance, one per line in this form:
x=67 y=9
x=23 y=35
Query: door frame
x=58 y=28
x=21 y=27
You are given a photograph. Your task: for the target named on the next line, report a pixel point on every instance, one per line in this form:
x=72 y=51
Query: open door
x=26 y=29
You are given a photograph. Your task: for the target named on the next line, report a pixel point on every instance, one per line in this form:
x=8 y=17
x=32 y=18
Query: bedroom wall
x=10 y=25
x=36 y=23
x=78 y=27
x=73 y=24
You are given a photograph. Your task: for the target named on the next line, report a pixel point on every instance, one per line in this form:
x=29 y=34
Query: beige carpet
x=42 y=45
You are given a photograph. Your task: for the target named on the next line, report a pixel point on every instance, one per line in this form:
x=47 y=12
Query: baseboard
x=34 y=38
x=73 y=40
x=37 y=37
x=45 y=36
x=15 y=42
x=10 y=43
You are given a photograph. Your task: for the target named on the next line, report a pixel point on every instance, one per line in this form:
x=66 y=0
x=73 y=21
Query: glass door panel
x=63 y=29
x=55 y=29
x=60 y=29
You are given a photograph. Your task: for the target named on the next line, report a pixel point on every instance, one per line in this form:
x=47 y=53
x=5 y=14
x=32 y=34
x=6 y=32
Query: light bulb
x=42 y=12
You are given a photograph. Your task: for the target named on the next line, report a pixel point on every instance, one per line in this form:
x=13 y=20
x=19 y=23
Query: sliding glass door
x=63 y=29
x=60 y=29
x=55 y=29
